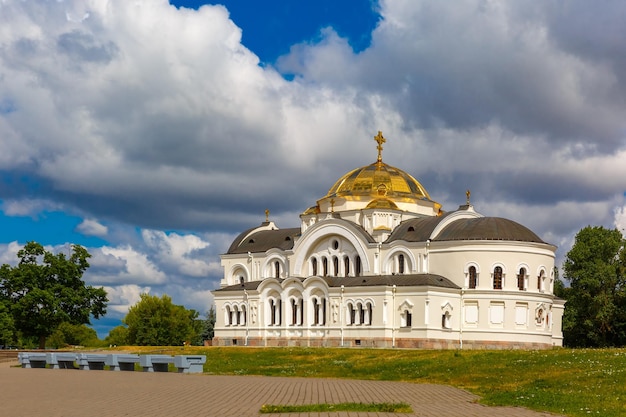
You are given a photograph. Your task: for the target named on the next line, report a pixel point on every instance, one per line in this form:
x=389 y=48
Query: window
x=357 y=272
x=521 y=279
x=325 y=266
x=275 y=312
x=228 y=317
x=540 y=281
x=472 y=277
x=336 y=265
x=361 y=314
x=294 y=312
x=497 y=278
x=319 y=311
x=346 y=265
x=445 y=320
x=400 y=264
x=244 y=316
x=314 y=266
x=369 y=314
x=407 y=318
x=351 y=314
x=276 y=269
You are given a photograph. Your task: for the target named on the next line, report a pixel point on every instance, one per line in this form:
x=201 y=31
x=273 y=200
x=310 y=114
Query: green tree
x=209 y=325
x=595 y=313
x=7 y=329
x=155 y=321
x=118 y=336
x=68 y=334
x=45 y=290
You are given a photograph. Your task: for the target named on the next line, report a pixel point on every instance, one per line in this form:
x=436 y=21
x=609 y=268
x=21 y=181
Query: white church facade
x=377 y=263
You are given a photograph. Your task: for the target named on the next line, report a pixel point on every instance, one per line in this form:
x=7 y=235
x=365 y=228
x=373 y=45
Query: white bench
x=32 y=359
x=189 y=364
x=90 y=361
x=121 y=362
x=155 y=363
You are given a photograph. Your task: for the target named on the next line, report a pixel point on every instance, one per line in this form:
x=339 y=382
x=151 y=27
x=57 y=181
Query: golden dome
x=378 y=180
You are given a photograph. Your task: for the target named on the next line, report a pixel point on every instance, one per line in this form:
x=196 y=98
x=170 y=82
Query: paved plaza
x=68 y=393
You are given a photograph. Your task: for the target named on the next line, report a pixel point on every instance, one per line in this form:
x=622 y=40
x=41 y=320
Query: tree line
x=44 y=302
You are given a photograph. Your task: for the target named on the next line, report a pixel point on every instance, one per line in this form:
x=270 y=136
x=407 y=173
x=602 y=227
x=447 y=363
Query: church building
x=377 y=263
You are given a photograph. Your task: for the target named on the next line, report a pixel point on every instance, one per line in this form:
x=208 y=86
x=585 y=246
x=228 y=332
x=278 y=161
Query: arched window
x=228 y=317
x=244 y=316
x=336 y=265
x=351 y=314
x=521 y=279
x=369 y=314
x=445 y=320
x=314 y=265
x=401 y=264
x=325 y=266
x=497 y=278
x=346 y=265
x=540 y=281
x=357 y=269
x=406 y=319
x=275 y=312
x=294 y=312
x=319 y=311
x=472 y=277
x=361 y=314
x=276 y=269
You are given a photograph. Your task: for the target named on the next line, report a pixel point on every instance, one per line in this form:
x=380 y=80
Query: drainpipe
x=247 y=302
x=341 y=313
x=461 y=323
x=393 y=316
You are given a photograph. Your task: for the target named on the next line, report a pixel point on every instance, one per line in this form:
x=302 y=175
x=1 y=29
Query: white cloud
x=159 y=118
x=91 y=227
x=129 y=266
x=122 y=297
x=28 y=207
x=620 y=219
x=8 y=253
x=178 y=251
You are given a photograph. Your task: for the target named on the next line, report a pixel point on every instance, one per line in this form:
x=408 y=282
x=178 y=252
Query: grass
x=350 y=407
x=573 y=382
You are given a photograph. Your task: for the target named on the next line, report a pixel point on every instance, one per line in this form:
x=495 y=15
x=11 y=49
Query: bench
x=90 y=361
x=32 y=360
x=189 y=364
x=120 y=362
x=155 y=363
x=62 y=360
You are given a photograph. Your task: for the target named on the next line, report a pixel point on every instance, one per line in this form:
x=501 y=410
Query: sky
x=153 y=132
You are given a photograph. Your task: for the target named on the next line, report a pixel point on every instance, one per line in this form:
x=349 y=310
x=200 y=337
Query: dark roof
x=405 y=280
x=416 y=230
x=264 y=240
x=481 y=228
x=487 y=228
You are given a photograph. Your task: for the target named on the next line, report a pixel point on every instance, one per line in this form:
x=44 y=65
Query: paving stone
x=69 y=393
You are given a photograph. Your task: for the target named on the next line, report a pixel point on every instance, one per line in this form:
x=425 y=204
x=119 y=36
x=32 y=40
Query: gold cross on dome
x=380 y=140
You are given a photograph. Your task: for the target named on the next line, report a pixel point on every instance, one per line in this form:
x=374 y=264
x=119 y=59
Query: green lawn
x=574 y=382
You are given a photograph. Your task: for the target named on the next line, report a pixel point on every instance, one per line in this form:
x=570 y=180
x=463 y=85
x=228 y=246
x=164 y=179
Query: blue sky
x=153 y=133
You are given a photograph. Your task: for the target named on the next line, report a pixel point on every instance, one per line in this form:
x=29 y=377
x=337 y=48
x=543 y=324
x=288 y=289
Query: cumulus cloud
x=91 y=227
